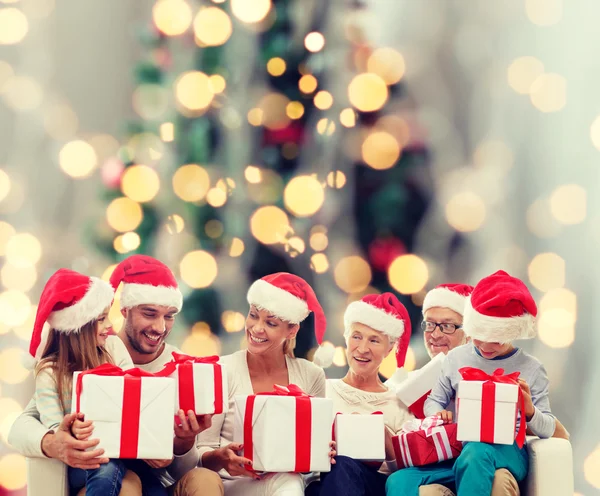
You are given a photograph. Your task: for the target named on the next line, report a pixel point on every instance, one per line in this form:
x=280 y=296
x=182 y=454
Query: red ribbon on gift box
x=132 y=393
x=488 y=400
x=184 y=364
x=303 y=424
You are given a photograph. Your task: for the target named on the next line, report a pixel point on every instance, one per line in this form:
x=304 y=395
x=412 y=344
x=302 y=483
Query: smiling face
x=492 y=350
x=365 y=349
x=103 y=327
x=265 y=332
x=147 y=327
x=437 y=342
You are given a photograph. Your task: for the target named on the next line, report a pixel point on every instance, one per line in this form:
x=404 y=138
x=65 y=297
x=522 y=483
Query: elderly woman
x=373 y=326
x=278 y=303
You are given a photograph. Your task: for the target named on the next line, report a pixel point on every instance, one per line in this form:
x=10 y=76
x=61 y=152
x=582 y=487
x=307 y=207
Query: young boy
x=500 y=310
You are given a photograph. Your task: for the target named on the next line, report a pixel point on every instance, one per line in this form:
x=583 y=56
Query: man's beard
x=130 y=337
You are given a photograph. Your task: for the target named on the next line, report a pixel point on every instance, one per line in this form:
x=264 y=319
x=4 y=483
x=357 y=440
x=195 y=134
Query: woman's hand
x=227 y=458
x=332 y=452
x=82 y=429
x=446 y=416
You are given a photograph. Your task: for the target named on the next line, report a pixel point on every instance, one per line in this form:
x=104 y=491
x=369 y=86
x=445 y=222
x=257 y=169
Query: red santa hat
x=289 y=298
x=68 y=302
x=385 y=314
x=500 y=310
x=146 y=281
x=452 y=296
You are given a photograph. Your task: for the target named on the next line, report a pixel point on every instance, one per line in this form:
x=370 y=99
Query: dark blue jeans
x=103 y=481
x=151 y=485
x=349 y=477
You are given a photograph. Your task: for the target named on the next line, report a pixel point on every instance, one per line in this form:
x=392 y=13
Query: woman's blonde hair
x=289 y=346
x=66 y=353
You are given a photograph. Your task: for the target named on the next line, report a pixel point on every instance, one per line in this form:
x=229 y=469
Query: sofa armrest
x=46 y=477
x=550 y=467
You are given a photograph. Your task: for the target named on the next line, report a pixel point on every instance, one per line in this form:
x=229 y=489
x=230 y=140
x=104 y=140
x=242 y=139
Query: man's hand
x=159 y=463
x=64 y=447
x=446 y=416
x=529 y=408
x=81 y=428
x=227 y=458
x=332 y=452
x=187 y=428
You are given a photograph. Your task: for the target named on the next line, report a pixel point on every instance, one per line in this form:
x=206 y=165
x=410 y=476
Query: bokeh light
x=380 y=150
x=6 y=232
x=19 y=278
x=191 y=182
x=408 y=274
x=568 y=204
x=250 y=11
x=547 y=271
x=325 y=126
x=348 y=117
x=323 y=100
x=212 y=26
x=544 y=12
x=255 y=116
x=389 y=366
x=4 y=185
x=388 y=64
x=198 y=269
x=123 y=214
x=556 y=329
x=216 y=197
x=465 y=211
x=22 y=93
x=194 y=91
x=276 y=66
x=540 y=220
x=172 y=17
x=549 y=92
x=314 y=42
x=78 y=159
x=11 y=366
x=304 y=196
x=368 y=92
x=269 y=225
x=175 y=224
x=319 y=263
x=319 y=241
x=590 y=468
x=352 y=274
x=140 y=183
x=274 y=110
x=336 y=179
x=201 y=344
x=13 y=471
x=167 y=131
x=294 y=110
x=13 y=26
x=233 y=321
x=60 y=121
x=522 y=72
x=339 y=357
x=308 y=83
x=23 y=250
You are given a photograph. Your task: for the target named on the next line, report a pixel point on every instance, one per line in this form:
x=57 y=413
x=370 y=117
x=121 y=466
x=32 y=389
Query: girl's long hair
x=66 y=353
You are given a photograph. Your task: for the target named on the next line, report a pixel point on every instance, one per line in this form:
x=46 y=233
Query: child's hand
x=529 y=408
x=82 y=429
x=446 y=416
x=332 y=452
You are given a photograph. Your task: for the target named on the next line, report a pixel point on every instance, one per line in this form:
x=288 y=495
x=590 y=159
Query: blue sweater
x=542 y=424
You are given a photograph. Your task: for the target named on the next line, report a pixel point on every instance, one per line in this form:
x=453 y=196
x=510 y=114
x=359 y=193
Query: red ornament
x=293 y=133
x=383 y=251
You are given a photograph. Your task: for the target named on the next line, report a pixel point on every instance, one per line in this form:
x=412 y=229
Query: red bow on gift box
x=184 y=364
x=488 y=400
x=132 y=393
x=303 y=424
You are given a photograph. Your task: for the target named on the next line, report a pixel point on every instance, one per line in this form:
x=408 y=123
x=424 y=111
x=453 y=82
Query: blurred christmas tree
x=270 y=137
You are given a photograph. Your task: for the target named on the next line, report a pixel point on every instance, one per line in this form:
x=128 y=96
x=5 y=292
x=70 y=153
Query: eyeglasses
x=445 y=327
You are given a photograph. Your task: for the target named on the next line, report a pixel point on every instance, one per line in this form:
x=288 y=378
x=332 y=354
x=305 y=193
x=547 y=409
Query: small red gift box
x=424 y=442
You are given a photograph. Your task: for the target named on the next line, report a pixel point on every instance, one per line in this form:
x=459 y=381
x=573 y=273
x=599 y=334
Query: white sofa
x=550 y=471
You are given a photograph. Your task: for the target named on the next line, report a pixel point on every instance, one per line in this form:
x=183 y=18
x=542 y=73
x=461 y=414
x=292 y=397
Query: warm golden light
x=380 y=150
x=4 y=185
x=78 y=159
x=388 y=64
x=6 y=232
x=348 y=117
x=276 y=66
x=205 y=344
x=18 y=278
x=540 y=220
x=522 y=72
x=216 y=197
x=140 y=183
x=191 y=183
x=269 y=225
x=294 y=110
x=131 y=241
x=319 y=241
x=23 y=250
x=590 y=468
x=167 y=131
x=325 y=126
x=408 y=274
x=250 y=11
x=323 y=100
x=123 y=214
x=568 y=204
x=308 y=83
x=13 y=26
x=212 y=26
x=352 y=274
x=319 y=263
x=217 y=83
x=22 y=93
x=549 y=92
x=368 y=92
x=253 y=174
x=295 y=246
x=198 y=269
x=314 y=42
x=236 y=248
x=13 y=472
x=233 y=321
x=108 y=272
x=172 y=17
x=175 y=224
x=193 y=90
x=547 y=271
x=465 y=211
x=11 y=368
x=268 y=190
x=255 y=116
x=274 y=107
x=544 y=12
x=304 y=196
x=336 y=179
x=555 y=330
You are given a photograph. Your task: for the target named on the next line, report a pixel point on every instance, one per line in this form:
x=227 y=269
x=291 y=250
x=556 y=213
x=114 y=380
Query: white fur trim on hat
x=359 y=311
x=497 y=329
x=282 y=304
x=444 y=298
x=98 y=296
x=134 y=294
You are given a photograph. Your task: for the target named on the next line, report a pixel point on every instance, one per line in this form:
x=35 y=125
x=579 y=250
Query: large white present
x=487 y=407
x=132 y=411
x=361 y=437
x=413 y=391
x=284 y=431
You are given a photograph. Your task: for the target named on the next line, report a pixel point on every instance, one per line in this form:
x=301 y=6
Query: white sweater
x=306 y=375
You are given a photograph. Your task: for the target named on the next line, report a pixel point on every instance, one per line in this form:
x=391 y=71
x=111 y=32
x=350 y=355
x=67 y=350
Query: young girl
x=76 y=309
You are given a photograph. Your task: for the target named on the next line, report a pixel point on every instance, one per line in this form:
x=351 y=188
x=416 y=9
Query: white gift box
x=130 y=421
x=361 y=437
x=413 y=391
x=282 y=436
x=201 y=387
x=499 y=421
